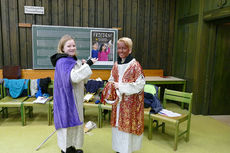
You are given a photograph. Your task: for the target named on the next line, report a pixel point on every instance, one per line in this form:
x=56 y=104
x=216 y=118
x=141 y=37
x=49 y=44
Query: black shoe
x=79 y=151
x=71 y=149
x=62 y=151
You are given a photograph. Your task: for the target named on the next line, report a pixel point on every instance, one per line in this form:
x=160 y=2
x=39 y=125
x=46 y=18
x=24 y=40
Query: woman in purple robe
x=69 y=79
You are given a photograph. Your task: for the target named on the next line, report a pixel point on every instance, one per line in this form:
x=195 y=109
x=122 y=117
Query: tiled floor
x=222 y=118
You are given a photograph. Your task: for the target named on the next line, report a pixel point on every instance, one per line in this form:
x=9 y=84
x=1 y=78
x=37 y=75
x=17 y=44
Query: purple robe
x=65 y=111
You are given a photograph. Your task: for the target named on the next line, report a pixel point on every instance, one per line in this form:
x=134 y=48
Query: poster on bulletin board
x=102 y=46
x=90 y=42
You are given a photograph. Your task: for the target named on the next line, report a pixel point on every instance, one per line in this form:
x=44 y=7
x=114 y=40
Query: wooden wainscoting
x=103 y=74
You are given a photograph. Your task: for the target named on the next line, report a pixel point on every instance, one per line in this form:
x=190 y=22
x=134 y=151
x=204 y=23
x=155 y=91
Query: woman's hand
x=116 y=85
x=91 y=61
x=94 y=60
x=83 y=61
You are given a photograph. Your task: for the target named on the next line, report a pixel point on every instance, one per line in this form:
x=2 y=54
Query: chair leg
x=48 y=114
x=163 y=127
x=109 y=115
x=150 y=128
x=30 y=111
x=6 y=110
x=176 y=136
x=188 y=131
x=3 y=112
x=157 y=125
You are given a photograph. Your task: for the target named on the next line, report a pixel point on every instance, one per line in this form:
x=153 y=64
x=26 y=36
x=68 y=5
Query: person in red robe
x=127 y=118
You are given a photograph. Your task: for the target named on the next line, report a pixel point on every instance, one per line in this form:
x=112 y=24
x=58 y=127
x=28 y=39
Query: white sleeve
x=132 y=88
x=111 y=79
x=79 y=74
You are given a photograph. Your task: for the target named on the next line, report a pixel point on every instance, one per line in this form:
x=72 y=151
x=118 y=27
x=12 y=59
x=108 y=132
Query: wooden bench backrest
x=103 y=74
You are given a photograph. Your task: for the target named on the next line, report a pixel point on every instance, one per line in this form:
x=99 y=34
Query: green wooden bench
x=7 y=102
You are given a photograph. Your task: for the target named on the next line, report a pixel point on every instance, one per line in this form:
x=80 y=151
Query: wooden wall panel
x=61 y=12
x=70 y=13
x=172 y=15
x=54 y=12
x=92 y=11
x=220 y=100
x=159 y=32
x=140 y=32
x=113 y=12
x=120 y=18
x=6 y=57
x=1 y=43
x=46 y=19
x=77 y=13
x=133 y=34
x=153 y=33
x=127 y=18
x=215 y=4
x=201 y=53
x=165 y=34
x=146 y=25
x=106 y=23
x=190 y=55
x=14 y=42
x=38 y=18
x=85 y=13
x=100 y=13
x=29 y=19
x=22 y=35
x=188 y=7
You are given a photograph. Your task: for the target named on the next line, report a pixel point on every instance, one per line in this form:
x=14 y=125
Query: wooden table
x=166 y=80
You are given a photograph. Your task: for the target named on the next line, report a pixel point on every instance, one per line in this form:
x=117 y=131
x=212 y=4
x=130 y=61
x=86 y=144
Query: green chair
x=101 y=116
x=179 y=97
x=149 y=88
x=50 y=105
x=9 y=102
x=1 y=96
x=1 y=91
x=28 y=105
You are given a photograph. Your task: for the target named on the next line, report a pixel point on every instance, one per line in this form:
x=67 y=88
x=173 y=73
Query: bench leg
x=23 y=114
x=99 y=116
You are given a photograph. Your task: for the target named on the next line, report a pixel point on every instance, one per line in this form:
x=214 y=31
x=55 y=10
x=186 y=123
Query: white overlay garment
x=123 y=142
x=74 y=136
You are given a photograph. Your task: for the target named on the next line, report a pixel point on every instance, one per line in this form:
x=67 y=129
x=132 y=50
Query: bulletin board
x=45 y=41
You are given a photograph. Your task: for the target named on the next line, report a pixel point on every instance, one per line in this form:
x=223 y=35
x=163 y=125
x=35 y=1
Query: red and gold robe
x=131 y=113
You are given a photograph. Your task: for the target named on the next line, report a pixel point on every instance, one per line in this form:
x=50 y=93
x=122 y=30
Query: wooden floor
x=222 y=118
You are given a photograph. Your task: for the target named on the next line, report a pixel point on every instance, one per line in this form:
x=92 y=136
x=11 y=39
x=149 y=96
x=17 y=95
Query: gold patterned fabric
x=109 y=93
x=131 y=114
